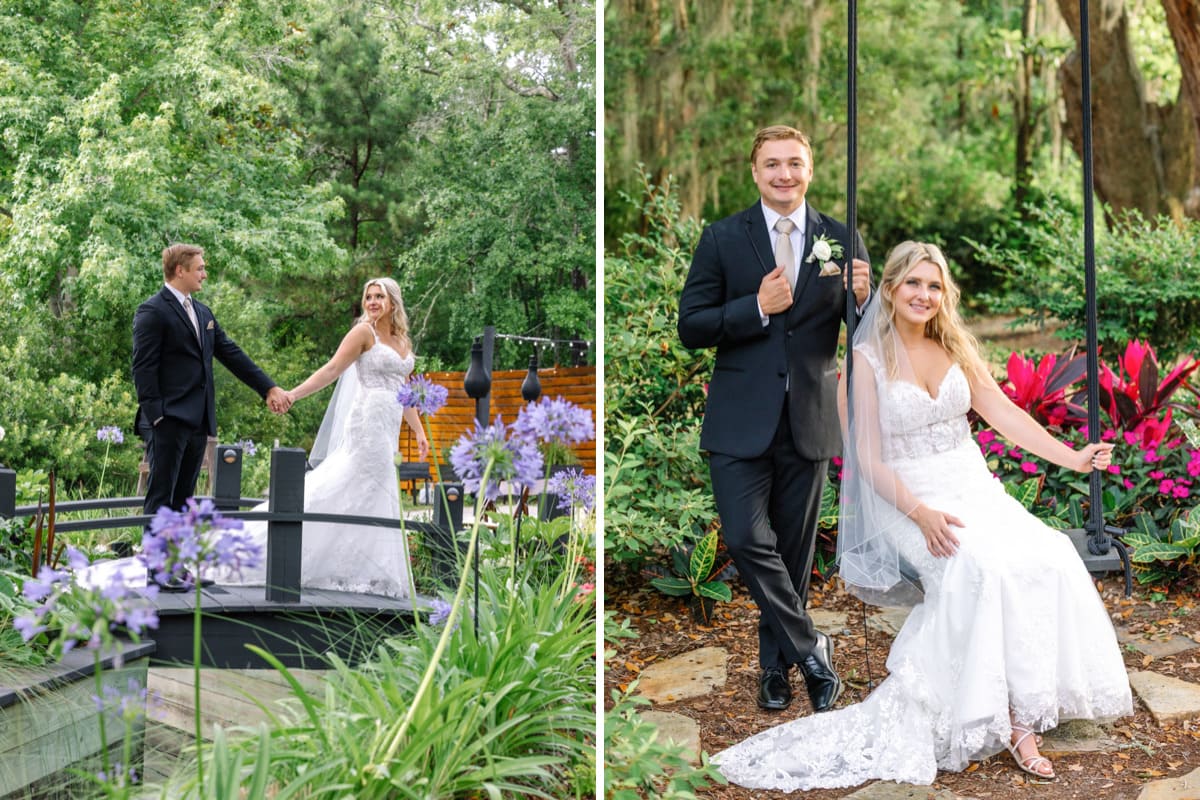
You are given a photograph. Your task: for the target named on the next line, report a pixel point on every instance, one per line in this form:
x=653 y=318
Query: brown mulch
x=1148 y=752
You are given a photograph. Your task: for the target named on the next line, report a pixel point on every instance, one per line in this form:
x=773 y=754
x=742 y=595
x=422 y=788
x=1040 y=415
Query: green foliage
x=1028 y=495
x=687 y=85
x=1147 y=276
x=14 y=651
x=638 y=764
x=1163 y=554
x=654 y=392
x=511 y=712
x=697 y=574
x=463 y=166
x=51 y=422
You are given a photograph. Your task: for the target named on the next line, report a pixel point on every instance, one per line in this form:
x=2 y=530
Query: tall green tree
x=506 y=198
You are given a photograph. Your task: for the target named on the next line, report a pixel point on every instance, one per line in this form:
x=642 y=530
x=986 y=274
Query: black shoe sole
x=773 y=706
x=169 y=588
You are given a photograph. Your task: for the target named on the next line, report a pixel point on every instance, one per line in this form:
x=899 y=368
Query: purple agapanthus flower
x=575 y=489
x=514 y=458
x=130 y=703
x=557 y=420
x=111 y=434
x=248 y=446
x=120 y=777
x=439 y=611
x=423 y=394
x=180 y=545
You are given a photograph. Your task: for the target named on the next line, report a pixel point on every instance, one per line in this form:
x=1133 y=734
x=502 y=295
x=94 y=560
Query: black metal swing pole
x=851 y=310
x=1099 y=541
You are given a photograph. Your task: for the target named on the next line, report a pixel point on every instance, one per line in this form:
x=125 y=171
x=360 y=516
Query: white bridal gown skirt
x=1012 y=620
x=358 y=478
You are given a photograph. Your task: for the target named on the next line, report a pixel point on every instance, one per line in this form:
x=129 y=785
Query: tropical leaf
x=715 y=590
x=676 y=587
x=1157 y=551
x=703 y=557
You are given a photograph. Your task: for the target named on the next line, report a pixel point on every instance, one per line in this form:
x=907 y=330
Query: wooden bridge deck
x=296 y=633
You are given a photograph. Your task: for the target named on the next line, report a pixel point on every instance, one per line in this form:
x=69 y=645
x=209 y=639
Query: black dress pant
x=769 y=507
x=174 y=452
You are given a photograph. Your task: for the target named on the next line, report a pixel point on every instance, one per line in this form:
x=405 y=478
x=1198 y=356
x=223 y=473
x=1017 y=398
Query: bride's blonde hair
x=946 y=328
x=399 y=318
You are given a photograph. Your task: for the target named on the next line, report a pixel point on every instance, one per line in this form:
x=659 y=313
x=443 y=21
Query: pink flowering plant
x=1156 y=467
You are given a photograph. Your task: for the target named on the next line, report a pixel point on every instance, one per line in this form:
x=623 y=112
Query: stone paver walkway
x=1168 y=699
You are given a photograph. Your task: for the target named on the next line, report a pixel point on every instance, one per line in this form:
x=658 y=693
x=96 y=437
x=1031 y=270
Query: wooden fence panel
x=577 y=384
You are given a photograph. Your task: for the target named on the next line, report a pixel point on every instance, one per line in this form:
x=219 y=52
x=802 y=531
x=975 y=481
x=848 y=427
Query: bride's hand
x=1094 y=456
x=423 y=448
x=935 y=525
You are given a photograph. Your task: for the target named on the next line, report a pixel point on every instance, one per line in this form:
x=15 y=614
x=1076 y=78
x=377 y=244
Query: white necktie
x=191 y=312
x=783 y=249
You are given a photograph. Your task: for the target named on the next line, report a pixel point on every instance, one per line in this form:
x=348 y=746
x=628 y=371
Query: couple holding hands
x=176 y=338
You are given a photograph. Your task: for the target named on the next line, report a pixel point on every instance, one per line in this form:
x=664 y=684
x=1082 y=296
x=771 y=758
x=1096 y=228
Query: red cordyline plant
x=1136 y=397
x=1041 y=389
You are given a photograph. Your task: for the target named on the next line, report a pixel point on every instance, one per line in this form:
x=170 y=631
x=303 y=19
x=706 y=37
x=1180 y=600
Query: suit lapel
x=760 y=240
x=203 y=317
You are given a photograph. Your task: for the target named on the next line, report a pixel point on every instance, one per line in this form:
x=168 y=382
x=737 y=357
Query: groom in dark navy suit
x=765 y=290
x=175 y=338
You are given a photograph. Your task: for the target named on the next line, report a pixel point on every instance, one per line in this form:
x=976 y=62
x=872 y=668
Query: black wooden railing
x=285 y=516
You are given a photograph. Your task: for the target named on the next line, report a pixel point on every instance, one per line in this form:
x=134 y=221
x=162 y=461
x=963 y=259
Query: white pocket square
x=829 y=269
x=209 y=326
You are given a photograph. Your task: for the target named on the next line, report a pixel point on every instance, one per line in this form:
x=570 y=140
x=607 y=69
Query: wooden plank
x=229 y=697
x=46 y=732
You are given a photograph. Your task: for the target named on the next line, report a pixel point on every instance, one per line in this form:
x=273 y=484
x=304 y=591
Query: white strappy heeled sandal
x=1030 y=764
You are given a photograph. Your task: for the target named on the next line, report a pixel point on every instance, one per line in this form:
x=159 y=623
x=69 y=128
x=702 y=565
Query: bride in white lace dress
x=355 y=455
x=1011 y=637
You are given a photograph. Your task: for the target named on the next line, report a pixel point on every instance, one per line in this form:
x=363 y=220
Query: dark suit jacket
x=173 y=372
x=719 y=308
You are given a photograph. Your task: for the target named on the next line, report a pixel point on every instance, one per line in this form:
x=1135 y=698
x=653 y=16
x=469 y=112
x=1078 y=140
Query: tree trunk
x=1024 y=114
x=1183 y=19
x=1143 y=153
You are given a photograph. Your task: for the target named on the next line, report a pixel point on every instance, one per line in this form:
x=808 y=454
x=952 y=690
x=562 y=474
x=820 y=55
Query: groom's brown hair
x=775 y=133
x=176 y=255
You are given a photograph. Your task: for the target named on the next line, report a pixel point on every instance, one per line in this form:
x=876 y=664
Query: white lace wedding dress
x=1012 y=620
x=358 y=477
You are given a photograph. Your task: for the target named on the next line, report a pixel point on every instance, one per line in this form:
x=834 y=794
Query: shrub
x=637 y=763
x=654 y=391
x=1147 y=276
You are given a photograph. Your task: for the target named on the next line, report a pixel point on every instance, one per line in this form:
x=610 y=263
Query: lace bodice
x=918 y=425
x=381 y=367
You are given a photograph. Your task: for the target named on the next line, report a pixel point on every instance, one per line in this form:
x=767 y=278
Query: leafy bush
x=511 y=712
x=638 y=764
x=654 y=391
x=1162 y=554
x=1147 y=279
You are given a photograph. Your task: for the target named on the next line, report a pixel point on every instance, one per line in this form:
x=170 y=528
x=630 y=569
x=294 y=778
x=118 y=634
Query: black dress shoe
x=824 y=685
x=170 y=585
x=774 y=690
x=174 y=584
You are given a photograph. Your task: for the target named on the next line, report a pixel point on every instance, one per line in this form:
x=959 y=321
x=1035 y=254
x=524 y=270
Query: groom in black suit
x=175 y=338
x=773 y=308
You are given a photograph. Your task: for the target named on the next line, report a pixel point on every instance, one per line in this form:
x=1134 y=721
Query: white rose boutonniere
x=824 y=250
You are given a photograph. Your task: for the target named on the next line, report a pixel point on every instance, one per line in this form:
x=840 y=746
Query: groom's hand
x=278 y=400
x=774 y=293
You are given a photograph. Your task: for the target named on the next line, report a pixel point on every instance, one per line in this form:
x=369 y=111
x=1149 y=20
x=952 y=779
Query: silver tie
x=191 y=312
x=783 y=249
